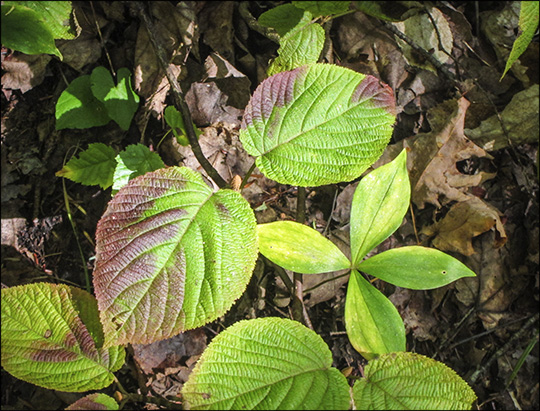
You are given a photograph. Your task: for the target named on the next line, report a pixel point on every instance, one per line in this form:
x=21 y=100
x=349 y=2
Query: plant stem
x=253 y=24
x=178 y=96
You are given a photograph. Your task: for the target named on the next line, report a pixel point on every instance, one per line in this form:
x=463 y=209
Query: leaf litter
x=475 y=182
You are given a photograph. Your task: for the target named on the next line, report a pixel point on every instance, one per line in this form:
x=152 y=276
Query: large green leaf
x=267 y=364
x=48 y=340
x=419 y=268
x=299 y=248
x=25 y=30
x=317 y=124
x=97 y=401
x=94 y=166
x=282 y=18
x=373 y=324
x=134 y=161
x=409 y=381
x=379 y=205
x=302 y=45
x=171 y=255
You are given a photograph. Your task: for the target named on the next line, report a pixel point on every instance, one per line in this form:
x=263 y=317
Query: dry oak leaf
x=464 y=221
x=432 y=163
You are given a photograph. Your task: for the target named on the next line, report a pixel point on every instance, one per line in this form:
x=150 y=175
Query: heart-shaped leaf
x=373 y=324
x=267 y=364
x=171 y=255
x=419 y=268
x=52 y=337
x=379 y=205
x=409 y=381
x=299 y=248
x=317 y=124
x=120 y=100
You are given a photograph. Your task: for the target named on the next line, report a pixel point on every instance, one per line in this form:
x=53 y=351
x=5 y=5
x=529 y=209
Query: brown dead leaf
x=464 y=221
x=434 y=155
x=23 y=72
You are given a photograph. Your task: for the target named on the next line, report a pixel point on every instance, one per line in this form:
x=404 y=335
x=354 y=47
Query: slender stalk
x=178 y=96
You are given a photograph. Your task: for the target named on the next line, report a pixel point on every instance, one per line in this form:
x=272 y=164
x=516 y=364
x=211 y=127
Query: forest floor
x=475 y=182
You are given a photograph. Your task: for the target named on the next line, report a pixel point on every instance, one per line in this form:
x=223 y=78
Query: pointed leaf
x=318 y=124
x=419 y=268
x=268 y=364
x=97 y=401
x=373 y=324
x=299 y=248
x=409 y=381
x=134 y=161
x=45 y=341
x=379 y=205
x=78 y=108
x=302 y=45
x=171 y=255
x=120 y=100
x=95 y=166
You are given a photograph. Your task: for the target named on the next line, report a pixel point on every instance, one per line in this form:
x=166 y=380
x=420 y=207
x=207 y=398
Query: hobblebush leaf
x=528 y=23
x=134 y=161
x=120 y=100
x=78 y=108
x=379 y=204
x=302 y=45
x=97 y=401
x=373 y=324
x=282 y=18
x=25 y=30
x=415 y=267
x=171 y=255
x=318 y=124
x=409 y=381
x=94 y=166
x=323 y=8
x=299 y=248
x=46 y=342
x=268 y=364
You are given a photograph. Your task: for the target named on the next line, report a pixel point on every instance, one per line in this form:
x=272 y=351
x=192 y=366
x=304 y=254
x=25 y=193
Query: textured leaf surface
x=135 y=161
x=317 y=124
x=415 y=267
x=409 y=381
x=373 y=324
x=282 y=18
x=47 y=343
x=323 y=8
x=94 y=166
x=119 y=99
x=528 y=23
x=78 y=108
x=97 y=401
x=299 y=248
x=171 y=255
x=379 y=204
x=302 y=45
x=269 y=364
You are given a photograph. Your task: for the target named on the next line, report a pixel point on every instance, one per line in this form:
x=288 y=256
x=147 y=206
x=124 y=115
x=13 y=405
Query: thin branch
x=178 y=96
x=253 y=24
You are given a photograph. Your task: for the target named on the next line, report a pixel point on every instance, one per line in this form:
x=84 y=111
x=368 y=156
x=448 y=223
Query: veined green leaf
x=282 y=18
x=95 y=166
x=379 y=205
x=302 y=45
x=120 y=100
x=323 y=8
x=78 y=108
x=97 y=401
x=409 y=381
x=46 y=341
x=419 y=268
x=171 y=255
x=528 y=23
x=134 y=161
x=299 y=248
x=373 y=324
x=25 y=30
x=268 y=364
x=317 y=124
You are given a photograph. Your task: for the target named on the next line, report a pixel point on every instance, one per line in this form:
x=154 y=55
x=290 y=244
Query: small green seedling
x=176 y=122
